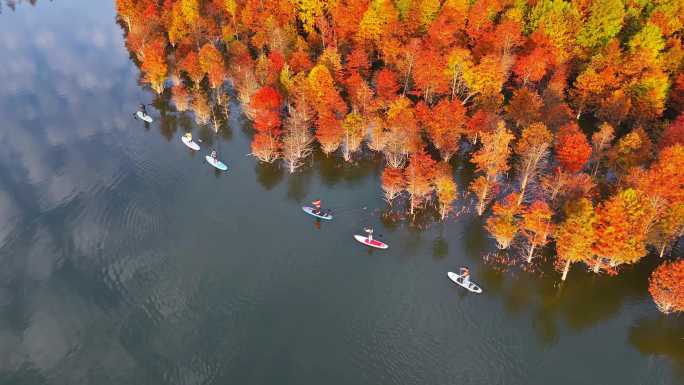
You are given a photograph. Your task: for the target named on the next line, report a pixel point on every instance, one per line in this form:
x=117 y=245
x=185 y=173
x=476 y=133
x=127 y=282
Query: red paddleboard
x=374 y=243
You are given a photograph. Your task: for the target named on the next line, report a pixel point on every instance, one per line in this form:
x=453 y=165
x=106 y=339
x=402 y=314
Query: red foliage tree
x=673 y=134
x=676 y=100
x=572 y=148
x=265 y=105
x=386 y=85
x=444 y=125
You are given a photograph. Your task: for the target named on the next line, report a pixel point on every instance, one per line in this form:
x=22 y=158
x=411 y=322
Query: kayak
x=144 y=116
x=459 y=281
x=190 y=143
x=216 y=163
x=323 y=215
x=374 y=243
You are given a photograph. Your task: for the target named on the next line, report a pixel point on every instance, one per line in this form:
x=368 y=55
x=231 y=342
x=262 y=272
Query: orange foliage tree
x=524 y=107
x=328 y=104
x=600 y=141
x=393 y=183
x=663 y=185
x=419 y=175
x=445 y=188
x=503 y=224
x=575 y=235
x=531 y=148
x=491 y=160
x=536 y=226
x=211 y=63
x=154 y=65
x=353 y=127
x=444 y=125
x=621 y=228
x=666 y=286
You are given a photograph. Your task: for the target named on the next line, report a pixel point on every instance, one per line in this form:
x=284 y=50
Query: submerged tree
x=353 y=127
x=666 y=286
x=445 y=188
x=297 y=139
x=621 y=228
x=531 y=148
x=575 y=235
x=393 y=183
x=536 y=226
x=503 y=224
x=419 y=175
x=491 y=160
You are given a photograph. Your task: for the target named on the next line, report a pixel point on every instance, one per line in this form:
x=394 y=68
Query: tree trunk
x=523 y=185
x=596 y=167
x=483 y=198
x=529 y=256
x=597 y=265
x=408 y=76
x=662 y=250
x=565 y=270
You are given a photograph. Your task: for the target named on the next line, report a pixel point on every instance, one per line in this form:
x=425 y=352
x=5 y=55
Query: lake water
x=126 y=259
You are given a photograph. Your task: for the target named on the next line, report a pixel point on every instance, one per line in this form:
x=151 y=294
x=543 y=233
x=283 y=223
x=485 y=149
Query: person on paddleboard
x=213 y=155
x=188 y=136
x=465 y=274
x=141 y=110
x=369 y=231
x=316 y=206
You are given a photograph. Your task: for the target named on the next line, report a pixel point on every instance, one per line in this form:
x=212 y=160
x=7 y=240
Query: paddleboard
x=144 y=117
x=323 y=215
x=190 y=143
x=459 y=281
x=374 y=243
x=216 y=163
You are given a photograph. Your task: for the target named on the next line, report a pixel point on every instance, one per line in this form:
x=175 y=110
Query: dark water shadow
x=269 y=175
x=661 y=335
x=298 y=184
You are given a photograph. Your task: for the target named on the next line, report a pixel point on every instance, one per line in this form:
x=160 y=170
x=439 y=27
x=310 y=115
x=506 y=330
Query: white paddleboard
x=323 y=215
x=190 y=143
x=144 y=117
x=472 y=286
x=216 y=163
x=374 y=243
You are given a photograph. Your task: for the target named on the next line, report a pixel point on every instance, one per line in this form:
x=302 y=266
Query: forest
x=571 y=112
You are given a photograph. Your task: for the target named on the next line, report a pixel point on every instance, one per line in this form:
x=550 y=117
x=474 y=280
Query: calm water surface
x=125 y=259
